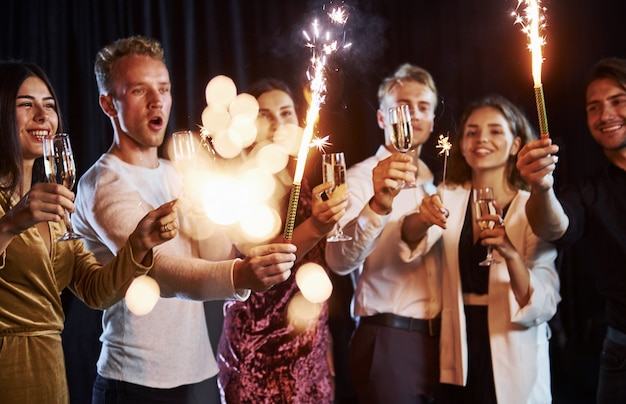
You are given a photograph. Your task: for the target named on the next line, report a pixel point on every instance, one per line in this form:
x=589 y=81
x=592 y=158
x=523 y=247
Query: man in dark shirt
x=595 y=209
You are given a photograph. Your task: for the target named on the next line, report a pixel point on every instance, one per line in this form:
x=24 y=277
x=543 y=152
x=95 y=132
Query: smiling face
x=606 y=114
x=37 y=116
x=420 y=99
x=487 y=141
x=141 y=101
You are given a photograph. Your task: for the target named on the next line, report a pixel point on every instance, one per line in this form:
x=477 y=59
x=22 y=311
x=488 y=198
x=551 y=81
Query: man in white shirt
x=164 y=356
x=394 y=352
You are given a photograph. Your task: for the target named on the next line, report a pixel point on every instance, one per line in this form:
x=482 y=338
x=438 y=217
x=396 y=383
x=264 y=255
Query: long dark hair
x=263 y=86
x=12 y=75
x=460 y=172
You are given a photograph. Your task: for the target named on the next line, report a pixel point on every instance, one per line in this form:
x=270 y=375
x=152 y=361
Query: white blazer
x=518 y=335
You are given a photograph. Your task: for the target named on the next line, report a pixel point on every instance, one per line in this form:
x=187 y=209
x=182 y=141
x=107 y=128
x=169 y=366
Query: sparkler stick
x=532 y=23
x=444 y=144
x=319 y=58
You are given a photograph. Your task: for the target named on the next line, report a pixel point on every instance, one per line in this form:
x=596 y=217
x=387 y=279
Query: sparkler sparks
x=533 y=22
x=322 y=45
x=320 y=143
x=444 y=144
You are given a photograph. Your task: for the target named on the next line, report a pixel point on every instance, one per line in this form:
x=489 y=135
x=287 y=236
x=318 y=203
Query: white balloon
x=215 y=120
x=246 y=128
x=142 y=295
x=228 y=143
x=244 y=105
x=221 y=90
x=313 y=282
x=271 y=157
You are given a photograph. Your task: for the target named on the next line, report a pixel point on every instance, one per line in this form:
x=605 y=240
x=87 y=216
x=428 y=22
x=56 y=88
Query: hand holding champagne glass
x=401 y=133
x=60 y=168
x=334 y=170
x=485 y=204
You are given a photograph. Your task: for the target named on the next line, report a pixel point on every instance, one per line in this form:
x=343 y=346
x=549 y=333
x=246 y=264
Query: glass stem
x=68 y=222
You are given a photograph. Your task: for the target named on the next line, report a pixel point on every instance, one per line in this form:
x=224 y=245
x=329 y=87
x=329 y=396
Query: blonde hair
x=110 y=54
x=406 y=72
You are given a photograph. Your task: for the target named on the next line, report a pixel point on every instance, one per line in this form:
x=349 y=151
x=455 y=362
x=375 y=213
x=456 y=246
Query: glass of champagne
x=184 y=145
x=59 y=166
x=401 y=133
x=484 y=204
x=334 y=170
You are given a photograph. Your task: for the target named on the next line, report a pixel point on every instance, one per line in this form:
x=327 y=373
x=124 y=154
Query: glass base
x=338 y=237
x=406 y=185
x=70 y=236
x=488 y=261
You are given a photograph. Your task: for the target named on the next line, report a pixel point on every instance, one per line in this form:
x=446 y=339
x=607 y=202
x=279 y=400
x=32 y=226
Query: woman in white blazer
x=494 y=334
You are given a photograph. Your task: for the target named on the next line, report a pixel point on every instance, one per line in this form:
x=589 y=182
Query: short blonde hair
x=406 y=72
x=108 y=56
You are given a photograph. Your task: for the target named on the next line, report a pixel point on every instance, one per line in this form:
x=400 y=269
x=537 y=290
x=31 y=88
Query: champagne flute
x=401 y=133
x=485 y=204
x=334 y=170
x=59 y=166
x=184 y=145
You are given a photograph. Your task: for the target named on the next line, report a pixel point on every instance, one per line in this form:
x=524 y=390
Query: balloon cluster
x=229 y=118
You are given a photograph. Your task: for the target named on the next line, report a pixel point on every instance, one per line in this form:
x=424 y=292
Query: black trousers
x=391 y=365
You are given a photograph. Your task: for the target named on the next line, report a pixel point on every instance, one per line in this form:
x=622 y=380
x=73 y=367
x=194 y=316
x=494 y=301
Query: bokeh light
x=142 y=295
x=314 y=282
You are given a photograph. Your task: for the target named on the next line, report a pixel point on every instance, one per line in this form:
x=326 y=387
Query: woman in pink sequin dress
x=269 y=353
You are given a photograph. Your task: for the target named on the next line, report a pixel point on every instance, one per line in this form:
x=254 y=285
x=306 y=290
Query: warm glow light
x=260 y=222
x=314 y=282
x=271 y=157
x=222 y=200
x=301 y=313
x=228 y=143
x=142 y=295
x=220 y=92
x=322 y=47
x=533 y=22
x=244 y=105
x=215 y=120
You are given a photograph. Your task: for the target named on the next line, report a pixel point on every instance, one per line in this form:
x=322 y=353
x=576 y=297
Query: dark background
x=471 y=47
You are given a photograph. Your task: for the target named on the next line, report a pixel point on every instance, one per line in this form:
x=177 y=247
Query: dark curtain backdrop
x=471 y=47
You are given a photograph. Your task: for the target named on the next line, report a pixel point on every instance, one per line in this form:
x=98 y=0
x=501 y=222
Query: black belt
x=431 y=327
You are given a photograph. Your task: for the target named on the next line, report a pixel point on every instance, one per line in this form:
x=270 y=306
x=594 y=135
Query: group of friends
x=433 y=324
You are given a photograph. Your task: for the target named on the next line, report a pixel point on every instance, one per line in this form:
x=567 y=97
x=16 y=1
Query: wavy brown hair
x=459 y=172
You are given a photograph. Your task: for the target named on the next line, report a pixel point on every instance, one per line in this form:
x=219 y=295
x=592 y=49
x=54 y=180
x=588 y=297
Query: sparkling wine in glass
x=184 y=145
x=401 y=133
x=485 y=204
x=334 y=170
x=59 y=166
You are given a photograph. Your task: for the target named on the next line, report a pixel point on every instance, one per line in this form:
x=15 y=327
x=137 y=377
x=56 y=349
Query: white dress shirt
x=386 y=283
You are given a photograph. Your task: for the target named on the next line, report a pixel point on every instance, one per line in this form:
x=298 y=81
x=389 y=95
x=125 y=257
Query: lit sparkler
x=322 y=45
x=444 y=144
x=532 y=22
x=320 y=143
